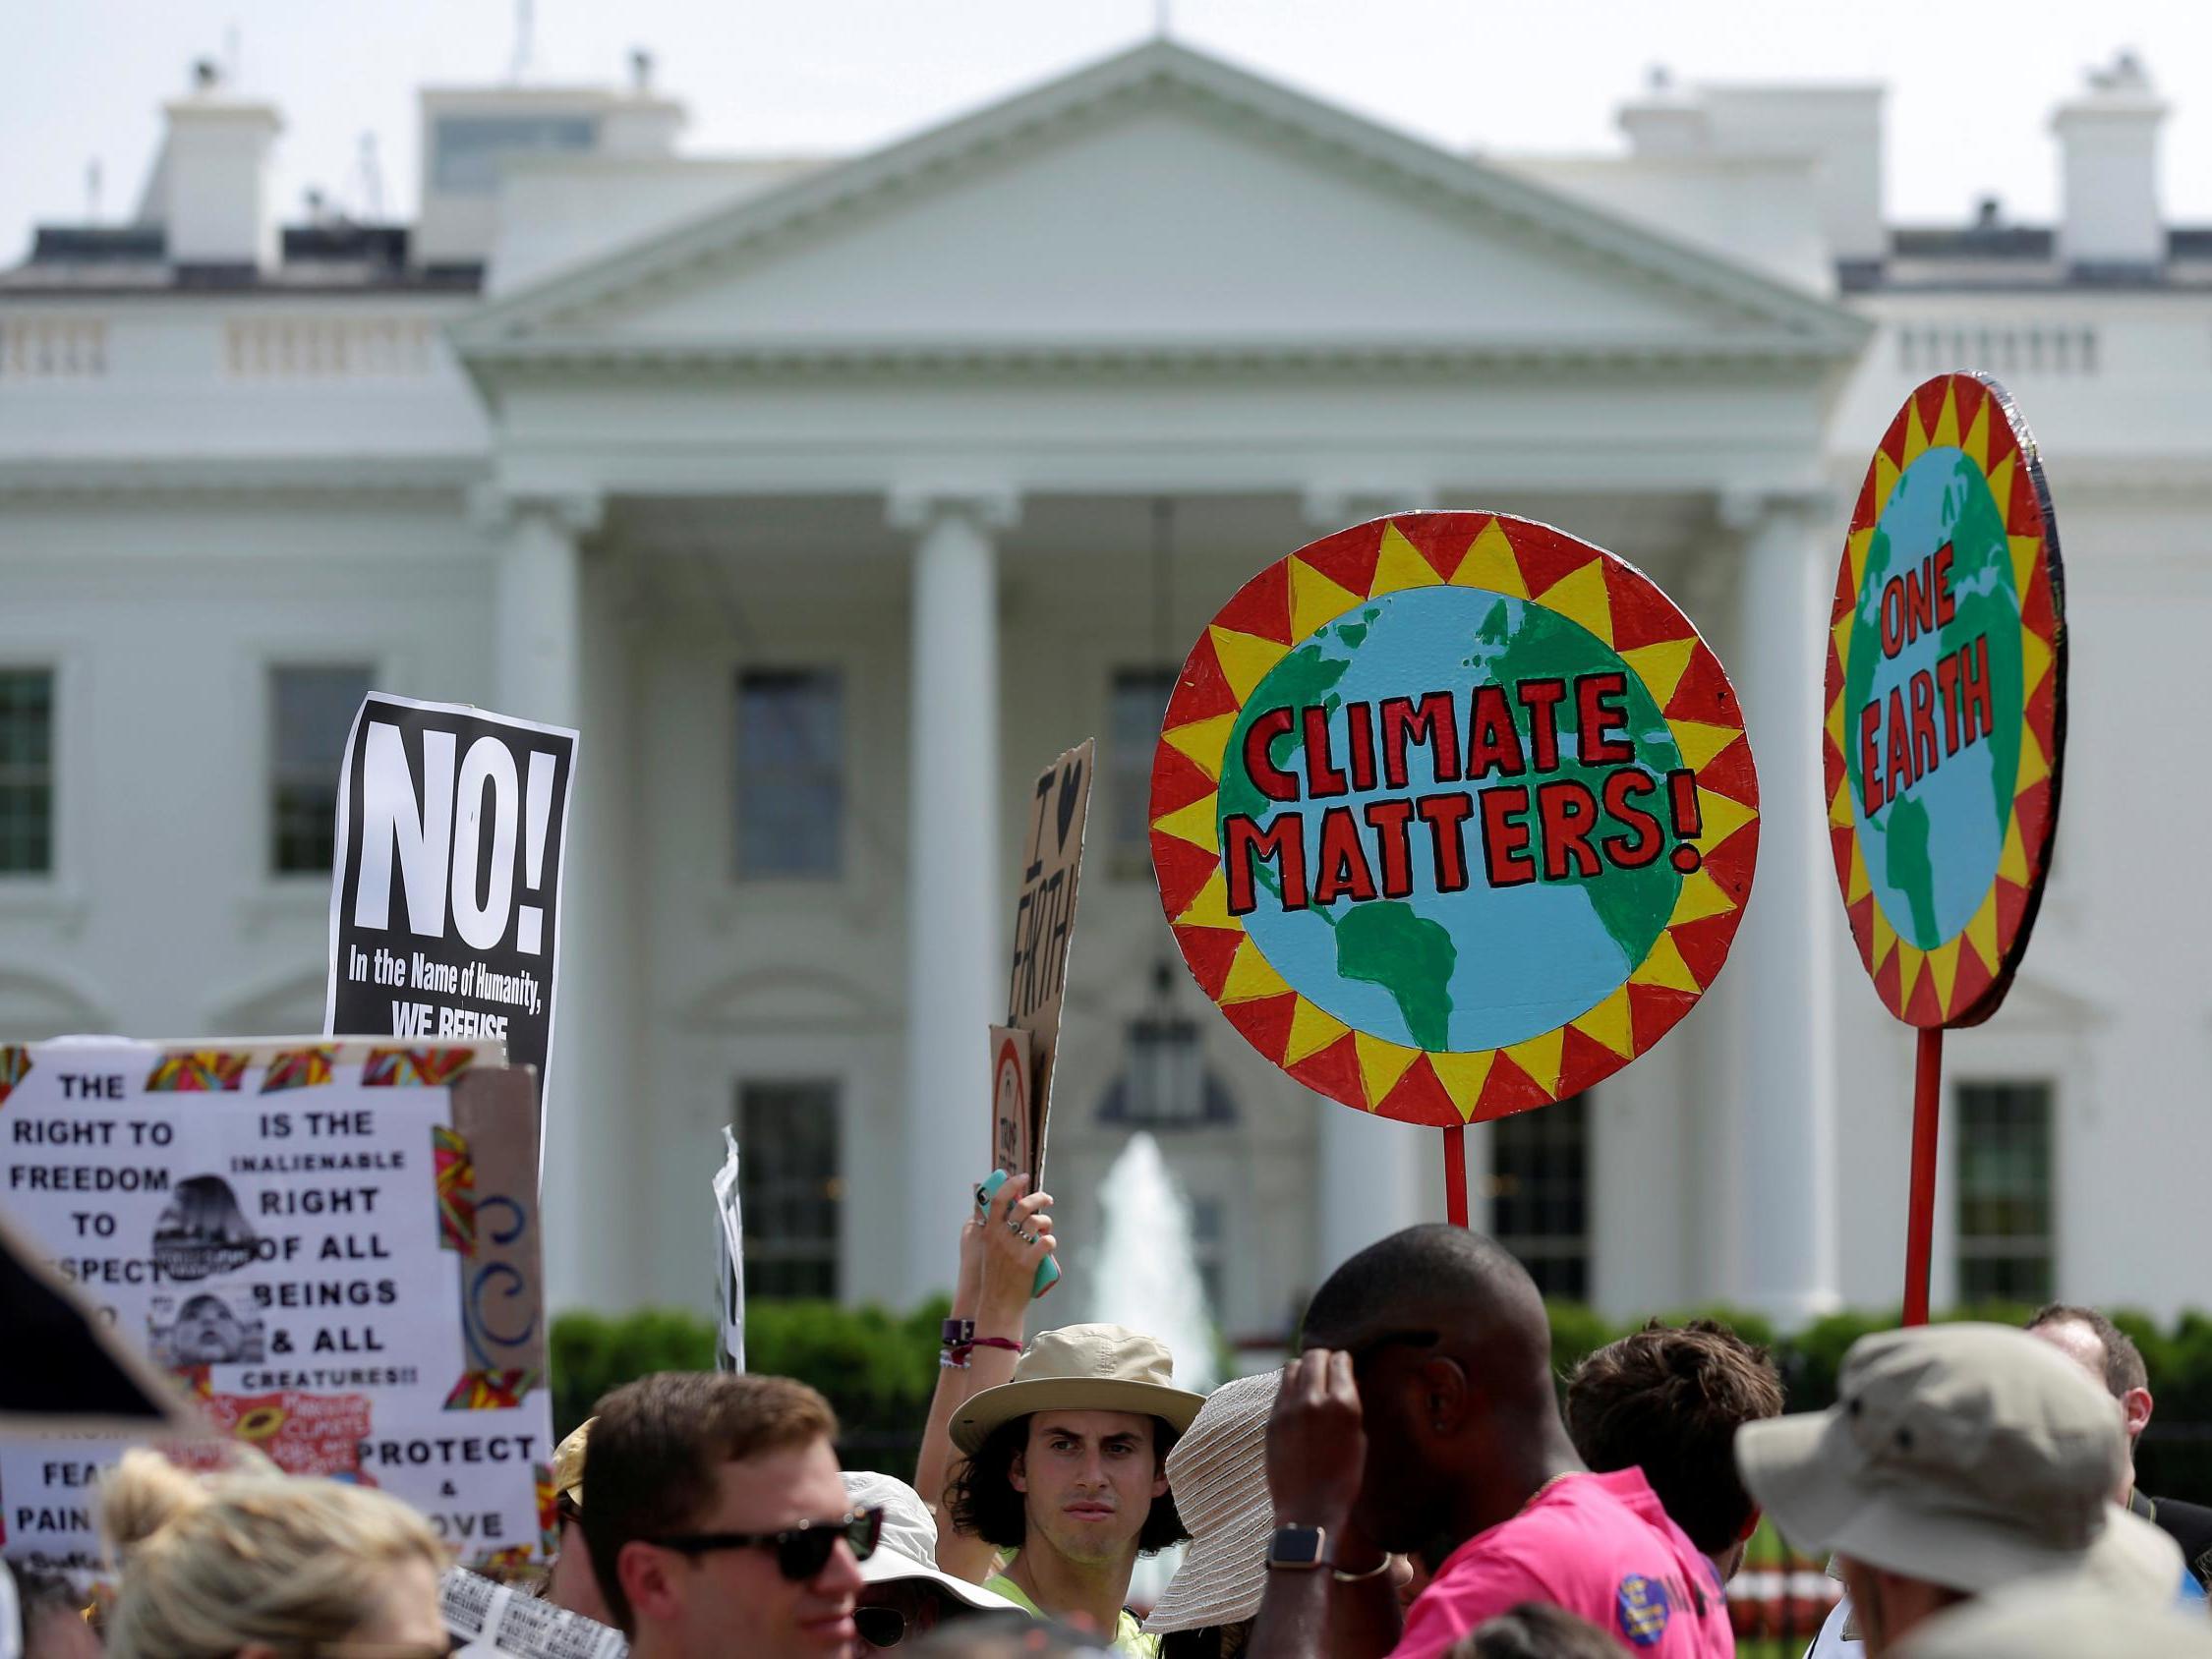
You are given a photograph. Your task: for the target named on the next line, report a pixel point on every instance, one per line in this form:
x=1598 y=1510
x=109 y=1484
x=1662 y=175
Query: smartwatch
x=1297 y=1548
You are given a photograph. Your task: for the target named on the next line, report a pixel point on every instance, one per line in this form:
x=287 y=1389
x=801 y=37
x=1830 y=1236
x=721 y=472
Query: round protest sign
x=1946 y=703
x=1453 y=815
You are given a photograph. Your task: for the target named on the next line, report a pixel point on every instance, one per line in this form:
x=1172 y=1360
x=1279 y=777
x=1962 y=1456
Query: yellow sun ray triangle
x=1834 y=726
x=2034 y=769
x=1839 y=804
x=1315 y=599
x=1861 y=882
x=1981 y=931
x=1840 y=632
x=1664 y=966
x=1915 y=434
x=2035 y=660
x=1580 y=597
x=1723 y=818
x=1659 y=666
x=1540 y=1057
x=1942 y=967
x=1946 y=434
x=1700 y=742
x=1251 y=976
x=1203 y=742
x=1910 y=961
x=1884 y=936
x=1210 y=909
x=1311 y=1031
x=1701 y=896
x=1857 y=543
x=1245 y=659
x=2011 y=862
x=1611 y=1025
x=1463 y=1076
x=1489 y=563
x=1199 y=823
x=2026 y=551
x=2000 y=484
x=1976 y=441
x=1399 y=565
x=1381 y=1064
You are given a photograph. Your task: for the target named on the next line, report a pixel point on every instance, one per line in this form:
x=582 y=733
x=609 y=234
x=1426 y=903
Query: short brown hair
x=657 y=1443
x=2124 y=1369
x=1535 y=1629
x=1669 y=1402
x=983 y=1503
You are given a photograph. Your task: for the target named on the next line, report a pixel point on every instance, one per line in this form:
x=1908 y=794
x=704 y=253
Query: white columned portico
x=538 y=633
x=956 y=950
x=1781 y=977
x=1374 y=1175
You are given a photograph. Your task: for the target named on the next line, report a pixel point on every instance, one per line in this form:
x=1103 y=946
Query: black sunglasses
x=880 y=1627
x=802 y=1551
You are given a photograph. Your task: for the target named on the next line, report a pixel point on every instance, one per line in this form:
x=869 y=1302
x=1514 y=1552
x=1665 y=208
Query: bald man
x=1421 y=1416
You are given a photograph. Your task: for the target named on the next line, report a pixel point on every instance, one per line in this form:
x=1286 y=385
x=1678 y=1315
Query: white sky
x=1971 y=82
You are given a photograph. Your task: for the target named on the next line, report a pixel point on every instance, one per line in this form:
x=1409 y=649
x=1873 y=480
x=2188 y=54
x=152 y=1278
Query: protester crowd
x=1416 y=1482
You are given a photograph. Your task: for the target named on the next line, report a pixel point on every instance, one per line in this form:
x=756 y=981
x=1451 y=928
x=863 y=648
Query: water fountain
x=1145 y=1276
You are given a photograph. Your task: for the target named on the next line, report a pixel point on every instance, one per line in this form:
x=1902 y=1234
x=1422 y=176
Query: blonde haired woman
x=256 y=1565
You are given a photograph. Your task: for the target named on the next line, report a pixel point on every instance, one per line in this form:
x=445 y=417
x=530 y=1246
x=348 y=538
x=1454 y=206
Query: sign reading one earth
x=1453 y=815
x=1946 y=703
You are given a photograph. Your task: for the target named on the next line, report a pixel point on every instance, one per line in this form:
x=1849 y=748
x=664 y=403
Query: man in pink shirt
x=1422 y=1416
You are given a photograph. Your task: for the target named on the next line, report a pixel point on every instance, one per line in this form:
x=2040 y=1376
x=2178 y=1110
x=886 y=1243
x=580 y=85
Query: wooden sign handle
x=1920 y=1219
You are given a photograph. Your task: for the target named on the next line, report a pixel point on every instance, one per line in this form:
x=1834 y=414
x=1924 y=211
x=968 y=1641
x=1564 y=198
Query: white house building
x=832 y=497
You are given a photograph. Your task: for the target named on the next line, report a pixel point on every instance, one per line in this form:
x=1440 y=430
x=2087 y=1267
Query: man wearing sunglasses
x=719 y=1524
x=1422 y=1415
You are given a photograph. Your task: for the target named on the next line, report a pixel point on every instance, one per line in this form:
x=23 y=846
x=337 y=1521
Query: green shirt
x=1129 y=1635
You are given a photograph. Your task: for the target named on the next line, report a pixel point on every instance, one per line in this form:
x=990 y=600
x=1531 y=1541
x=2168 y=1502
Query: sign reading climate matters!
x=1946 y=703
x=1453 y=815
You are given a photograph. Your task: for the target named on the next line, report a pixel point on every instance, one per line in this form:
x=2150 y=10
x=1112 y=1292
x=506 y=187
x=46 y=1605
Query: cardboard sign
x=333 y=1248
x=1012 y=1119
x=1044 y=925
x=1947 y=679
x=1453 y=815
x=445 y=892
x=729 y=1254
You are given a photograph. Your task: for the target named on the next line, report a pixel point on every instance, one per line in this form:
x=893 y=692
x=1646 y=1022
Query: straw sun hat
x=1081 y=1368
x=1218 y=1476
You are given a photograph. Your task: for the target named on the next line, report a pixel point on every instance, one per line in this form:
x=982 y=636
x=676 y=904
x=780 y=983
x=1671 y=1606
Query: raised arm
x=1316 y=1455
x=999 y=1257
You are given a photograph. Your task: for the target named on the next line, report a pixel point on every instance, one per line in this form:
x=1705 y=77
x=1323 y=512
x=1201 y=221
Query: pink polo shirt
x=1597 y=1545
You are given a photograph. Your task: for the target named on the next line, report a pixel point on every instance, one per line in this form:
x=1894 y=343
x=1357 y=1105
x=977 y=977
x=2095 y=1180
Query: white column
x=1780 y=974
x=537 y=630
x=1373 y=1175
x=955 y=947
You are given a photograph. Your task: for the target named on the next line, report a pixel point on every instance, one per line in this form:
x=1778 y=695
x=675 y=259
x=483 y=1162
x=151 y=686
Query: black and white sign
x=445 y=892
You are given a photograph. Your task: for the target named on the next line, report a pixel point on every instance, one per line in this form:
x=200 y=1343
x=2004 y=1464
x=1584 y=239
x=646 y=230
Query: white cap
x=907 y=1546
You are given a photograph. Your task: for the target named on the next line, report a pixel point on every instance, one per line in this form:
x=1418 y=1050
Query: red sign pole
x=1920 y=1218
x=1455 y=1175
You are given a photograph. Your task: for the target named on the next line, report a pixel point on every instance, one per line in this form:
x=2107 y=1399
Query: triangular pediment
x=1160 y=199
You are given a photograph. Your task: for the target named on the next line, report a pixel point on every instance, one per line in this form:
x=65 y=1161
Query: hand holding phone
x=1019 y=1213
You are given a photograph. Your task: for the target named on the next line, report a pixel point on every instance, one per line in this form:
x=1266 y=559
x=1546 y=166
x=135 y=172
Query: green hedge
x=878 y=1368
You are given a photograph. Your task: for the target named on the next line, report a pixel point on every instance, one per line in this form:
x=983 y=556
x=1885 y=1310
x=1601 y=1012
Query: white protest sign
x=445 y=889
x=729 y=1253
x=332 y=1246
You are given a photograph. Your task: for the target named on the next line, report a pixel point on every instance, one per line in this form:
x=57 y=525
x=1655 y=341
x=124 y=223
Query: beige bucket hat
x=2062 y=1621
x=1218 y=1476
x=1082 y=1368
x=1968 y=1455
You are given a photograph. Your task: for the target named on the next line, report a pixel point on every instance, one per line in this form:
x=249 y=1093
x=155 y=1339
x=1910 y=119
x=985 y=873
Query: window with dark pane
x=791 y=1183
x=2005 y=1221
x=1132 y=732
x=1539 y=1194
x=790 y=773
x=27 y=772
x=312 y=710
x=1207 y=1247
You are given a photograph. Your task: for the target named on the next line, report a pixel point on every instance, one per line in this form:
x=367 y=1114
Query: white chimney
x=210 y=185
x=2108 y=145
x=1665 y=120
